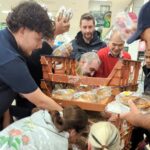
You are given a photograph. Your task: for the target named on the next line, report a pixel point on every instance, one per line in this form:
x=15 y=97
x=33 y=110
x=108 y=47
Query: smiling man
x=27 y=24
x=110 y=55
x=87 y=39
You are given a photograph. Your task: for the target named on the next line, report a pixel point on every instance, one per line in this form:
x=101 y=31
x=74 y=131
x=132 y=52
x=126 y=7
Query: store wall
x=115 y=8
x=137 y=5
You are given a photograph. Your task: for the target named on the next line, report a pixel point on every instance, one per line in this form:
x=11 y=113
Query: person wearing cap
x=110 y=55
x=27 y=24
x=135 y=117
x=104 y=136
x=137 y=138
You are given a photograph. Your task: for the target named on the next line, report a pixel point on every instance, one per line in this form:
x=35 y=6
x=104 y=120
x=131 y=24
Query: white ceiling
x=52 y=5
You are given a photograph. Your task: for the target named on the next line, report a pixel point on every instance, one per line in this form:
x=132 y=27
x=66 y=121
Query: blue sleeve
x=16 y=75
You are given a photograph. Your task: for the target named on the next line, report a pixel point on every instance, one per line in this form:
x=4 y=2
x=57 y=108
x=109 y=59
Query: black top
x=25 y=107
x=146 y=80
x=14 y=73
x=34 y=64
x=80 y=46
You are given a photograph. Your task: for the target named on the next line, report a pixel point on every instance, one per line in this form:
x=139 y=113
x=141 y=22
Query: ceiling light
x=5 y=11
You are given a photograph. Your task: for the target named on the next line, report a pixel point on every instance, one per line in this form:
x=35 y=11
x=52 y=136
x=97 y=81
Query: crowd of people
x=23 y=41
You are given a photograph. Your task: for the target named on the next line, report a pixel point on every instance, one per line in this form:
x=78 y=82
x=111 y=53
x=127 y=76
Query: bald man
x=110 y=55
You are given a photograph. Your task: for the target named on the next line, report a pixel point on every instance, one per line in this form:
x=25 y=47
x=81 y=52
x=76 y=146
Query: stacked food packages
x=91 y=96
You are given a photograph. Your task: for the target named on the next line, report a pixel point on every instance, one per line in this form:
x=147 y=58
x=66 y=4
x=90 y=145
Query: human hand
x=61 y=26
x=130 y=116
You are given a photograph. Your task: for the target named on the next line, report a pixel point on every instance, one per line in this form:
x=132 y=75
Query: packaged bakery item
x=65 y=13
x=141 y=101
x=61 y=12
x=103 y=92
x=120 y=105
x=88 y=97
x=63 y=94
x=63 y=50
x=69 y=14
x=116 y=107
x=83 y=88
x=126 y=23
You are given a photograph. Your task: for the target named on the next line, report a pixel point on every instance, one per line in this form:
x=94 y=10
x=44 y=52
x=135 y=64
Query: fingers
x=62 y=26
x=123 y=116
x=133 y=107
x=133 y=110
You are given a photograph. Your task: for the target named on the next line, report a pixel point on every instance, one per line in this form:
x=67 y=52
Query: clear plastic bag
x=103 y=92
x=63 y=50
x=63 y=94
x=141 y=101
x=65 y=13
x=88 y=97
x=116 y=107
x=126 y=24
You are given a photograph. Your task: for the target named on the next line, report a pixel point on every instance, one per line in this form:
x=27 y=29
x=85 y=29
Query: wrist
x=137 y=119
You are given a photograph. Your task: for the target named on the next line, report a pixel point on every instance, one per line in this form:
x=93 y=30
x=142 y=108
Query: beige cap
x=104 y=135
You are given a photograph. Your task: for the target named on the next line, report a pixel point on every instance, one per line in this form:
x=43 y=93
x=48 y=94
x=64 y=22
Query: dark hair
x=73 y=118
x=87 y=16
x=33 y=16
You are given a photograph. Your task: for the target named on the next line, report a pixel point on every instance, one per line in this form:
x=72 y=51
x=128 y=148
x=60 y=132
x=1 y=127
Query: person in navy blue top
x=27 y=24
x=23 y=108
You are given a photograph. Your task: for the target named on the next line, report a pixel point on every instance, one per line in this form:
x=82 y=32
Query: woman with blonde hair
x=104 y=136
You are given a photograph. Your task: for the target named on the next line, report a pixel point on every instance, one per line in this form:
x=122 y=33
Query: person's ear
x=109 y=44
x=82 y=62
x=73 y=135
x=22 y=30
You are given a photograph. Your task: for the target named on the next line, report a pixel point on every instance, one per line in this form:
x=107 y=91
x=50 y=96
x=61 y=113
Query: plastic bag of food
x=63 y=94
x=141 y=101
x=126 y=23
x=65 y=13
x=88 y=97
x=116 y=107
x=83 y=88
x=103 y=92
x=63 y=50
